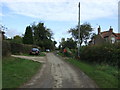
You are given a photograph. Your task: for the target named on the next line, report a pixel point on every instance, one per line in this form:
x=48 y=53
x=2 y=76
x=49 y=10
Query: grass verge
x=16 y=71
x=105 y=76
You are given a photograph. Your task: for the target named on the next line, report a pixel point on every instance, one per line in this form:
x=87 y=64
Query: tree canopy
x=28 y=37
x=69 y=43
x=85 y=32
x=16 y=39
x=42 y=36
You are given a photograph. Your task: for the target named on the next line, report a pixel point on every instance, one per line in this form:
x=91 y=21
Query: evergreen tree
x=28 y=37
x=42 y=36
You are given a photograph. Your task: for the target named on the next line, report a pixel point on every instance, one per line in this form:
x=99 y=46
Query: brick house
x=105 y=37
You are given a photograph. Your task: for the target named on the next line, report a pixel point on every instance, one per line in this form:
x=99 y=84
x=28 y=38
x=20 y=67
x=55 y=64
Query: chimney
x=99 y=30
x=111 y=29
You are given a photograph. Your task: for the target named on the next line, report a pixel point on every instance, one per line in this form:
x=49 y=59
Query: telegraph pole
x=79 y=32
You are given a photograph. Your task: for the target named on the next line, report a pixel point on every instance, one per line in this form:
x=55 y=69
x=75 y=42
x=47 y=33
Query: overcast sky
x=58 y=15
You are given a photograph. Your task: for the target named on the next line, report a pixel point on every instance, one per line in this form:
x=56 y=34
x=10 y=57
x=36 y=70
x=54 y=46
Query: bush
x=70 y=52
x=15 y=48
x=21 y=48
x=107 y=53
x=6 y=49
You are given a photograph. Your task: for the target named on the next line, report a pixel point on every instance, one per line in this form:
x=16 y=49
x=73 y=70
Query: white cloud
x=37 y=0
x=63 y=10
x=12 y=32
x=1 y=14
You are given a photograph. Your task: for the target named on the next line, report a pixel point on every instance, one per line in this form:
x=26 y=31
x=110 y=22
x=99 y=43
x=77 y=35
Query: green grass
x=61 y=54
x=16 y=71
x=105 y=76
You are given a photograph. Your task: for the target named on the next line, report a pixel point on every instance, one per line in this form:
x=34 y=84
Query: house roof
x=108 y=33
x=105 y=33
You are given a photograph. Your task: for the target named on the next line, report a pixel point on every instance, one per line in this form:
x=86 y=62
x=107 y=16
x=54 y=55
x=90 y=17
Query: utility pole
x=79 y=32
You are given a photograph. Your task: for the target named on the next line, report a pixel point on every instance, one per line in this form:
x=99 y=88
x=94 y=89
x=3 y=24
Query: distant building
x=105 y=37
x=2 y=35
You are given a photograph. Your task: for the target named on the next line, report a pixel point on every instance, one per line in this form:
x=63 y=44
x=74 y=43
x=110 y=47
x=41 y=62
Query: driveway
x=56 y=73
x=34 y=58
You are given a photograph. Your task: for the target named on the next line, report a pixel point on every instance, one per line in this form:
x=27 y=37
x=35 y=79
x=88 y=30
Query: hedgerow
x=9 y=48
x=6 y=49
x=21 y=48
x=106 y=53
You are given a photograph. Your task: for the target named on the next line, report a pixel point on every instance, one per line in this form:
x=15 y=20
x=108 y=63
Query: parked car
x=34 y=51
x=47 y=50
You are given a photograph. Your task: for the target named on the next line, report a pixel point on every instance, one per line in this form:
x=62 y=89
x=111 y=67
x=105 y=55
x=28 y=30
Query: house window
x=112 y=39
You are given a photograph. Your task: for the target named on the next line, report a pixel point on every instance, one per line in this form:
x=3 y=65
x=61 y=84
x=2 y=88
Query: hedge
x=9 y=48
x=107 y=53
x=21 y=48
x=6 y=49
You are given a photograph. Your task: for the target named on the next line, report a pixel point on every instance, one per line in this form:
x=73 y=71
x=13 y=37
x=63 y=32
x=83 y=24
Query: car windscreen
x=35 y=49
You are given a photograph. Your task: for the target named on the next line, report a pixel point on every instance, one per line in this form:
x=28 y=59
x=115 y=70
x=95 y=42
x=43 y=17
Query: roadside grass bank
x=17 y=71
x=105 y=76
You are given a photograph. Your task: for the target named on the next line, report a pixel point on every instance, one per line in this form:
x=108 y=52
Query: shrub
x=6 y=49
x=21 y=48
x=74 y=53
x=107 y=53
x=15 y=48
x=70 y=52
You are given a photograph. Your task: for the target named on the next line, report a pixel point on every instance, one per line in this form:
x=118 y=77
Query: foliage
x=35 y=34
x=16 y=39
x=70 y=53
x=54 y=42
x=3 y=27
x=106 y=53
x=9 y=48
x=17 y=71
x=28 y=37
x=85 y=32
x=6 y=49
x=69 y=43
x=21 y=48
x=42 y=36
